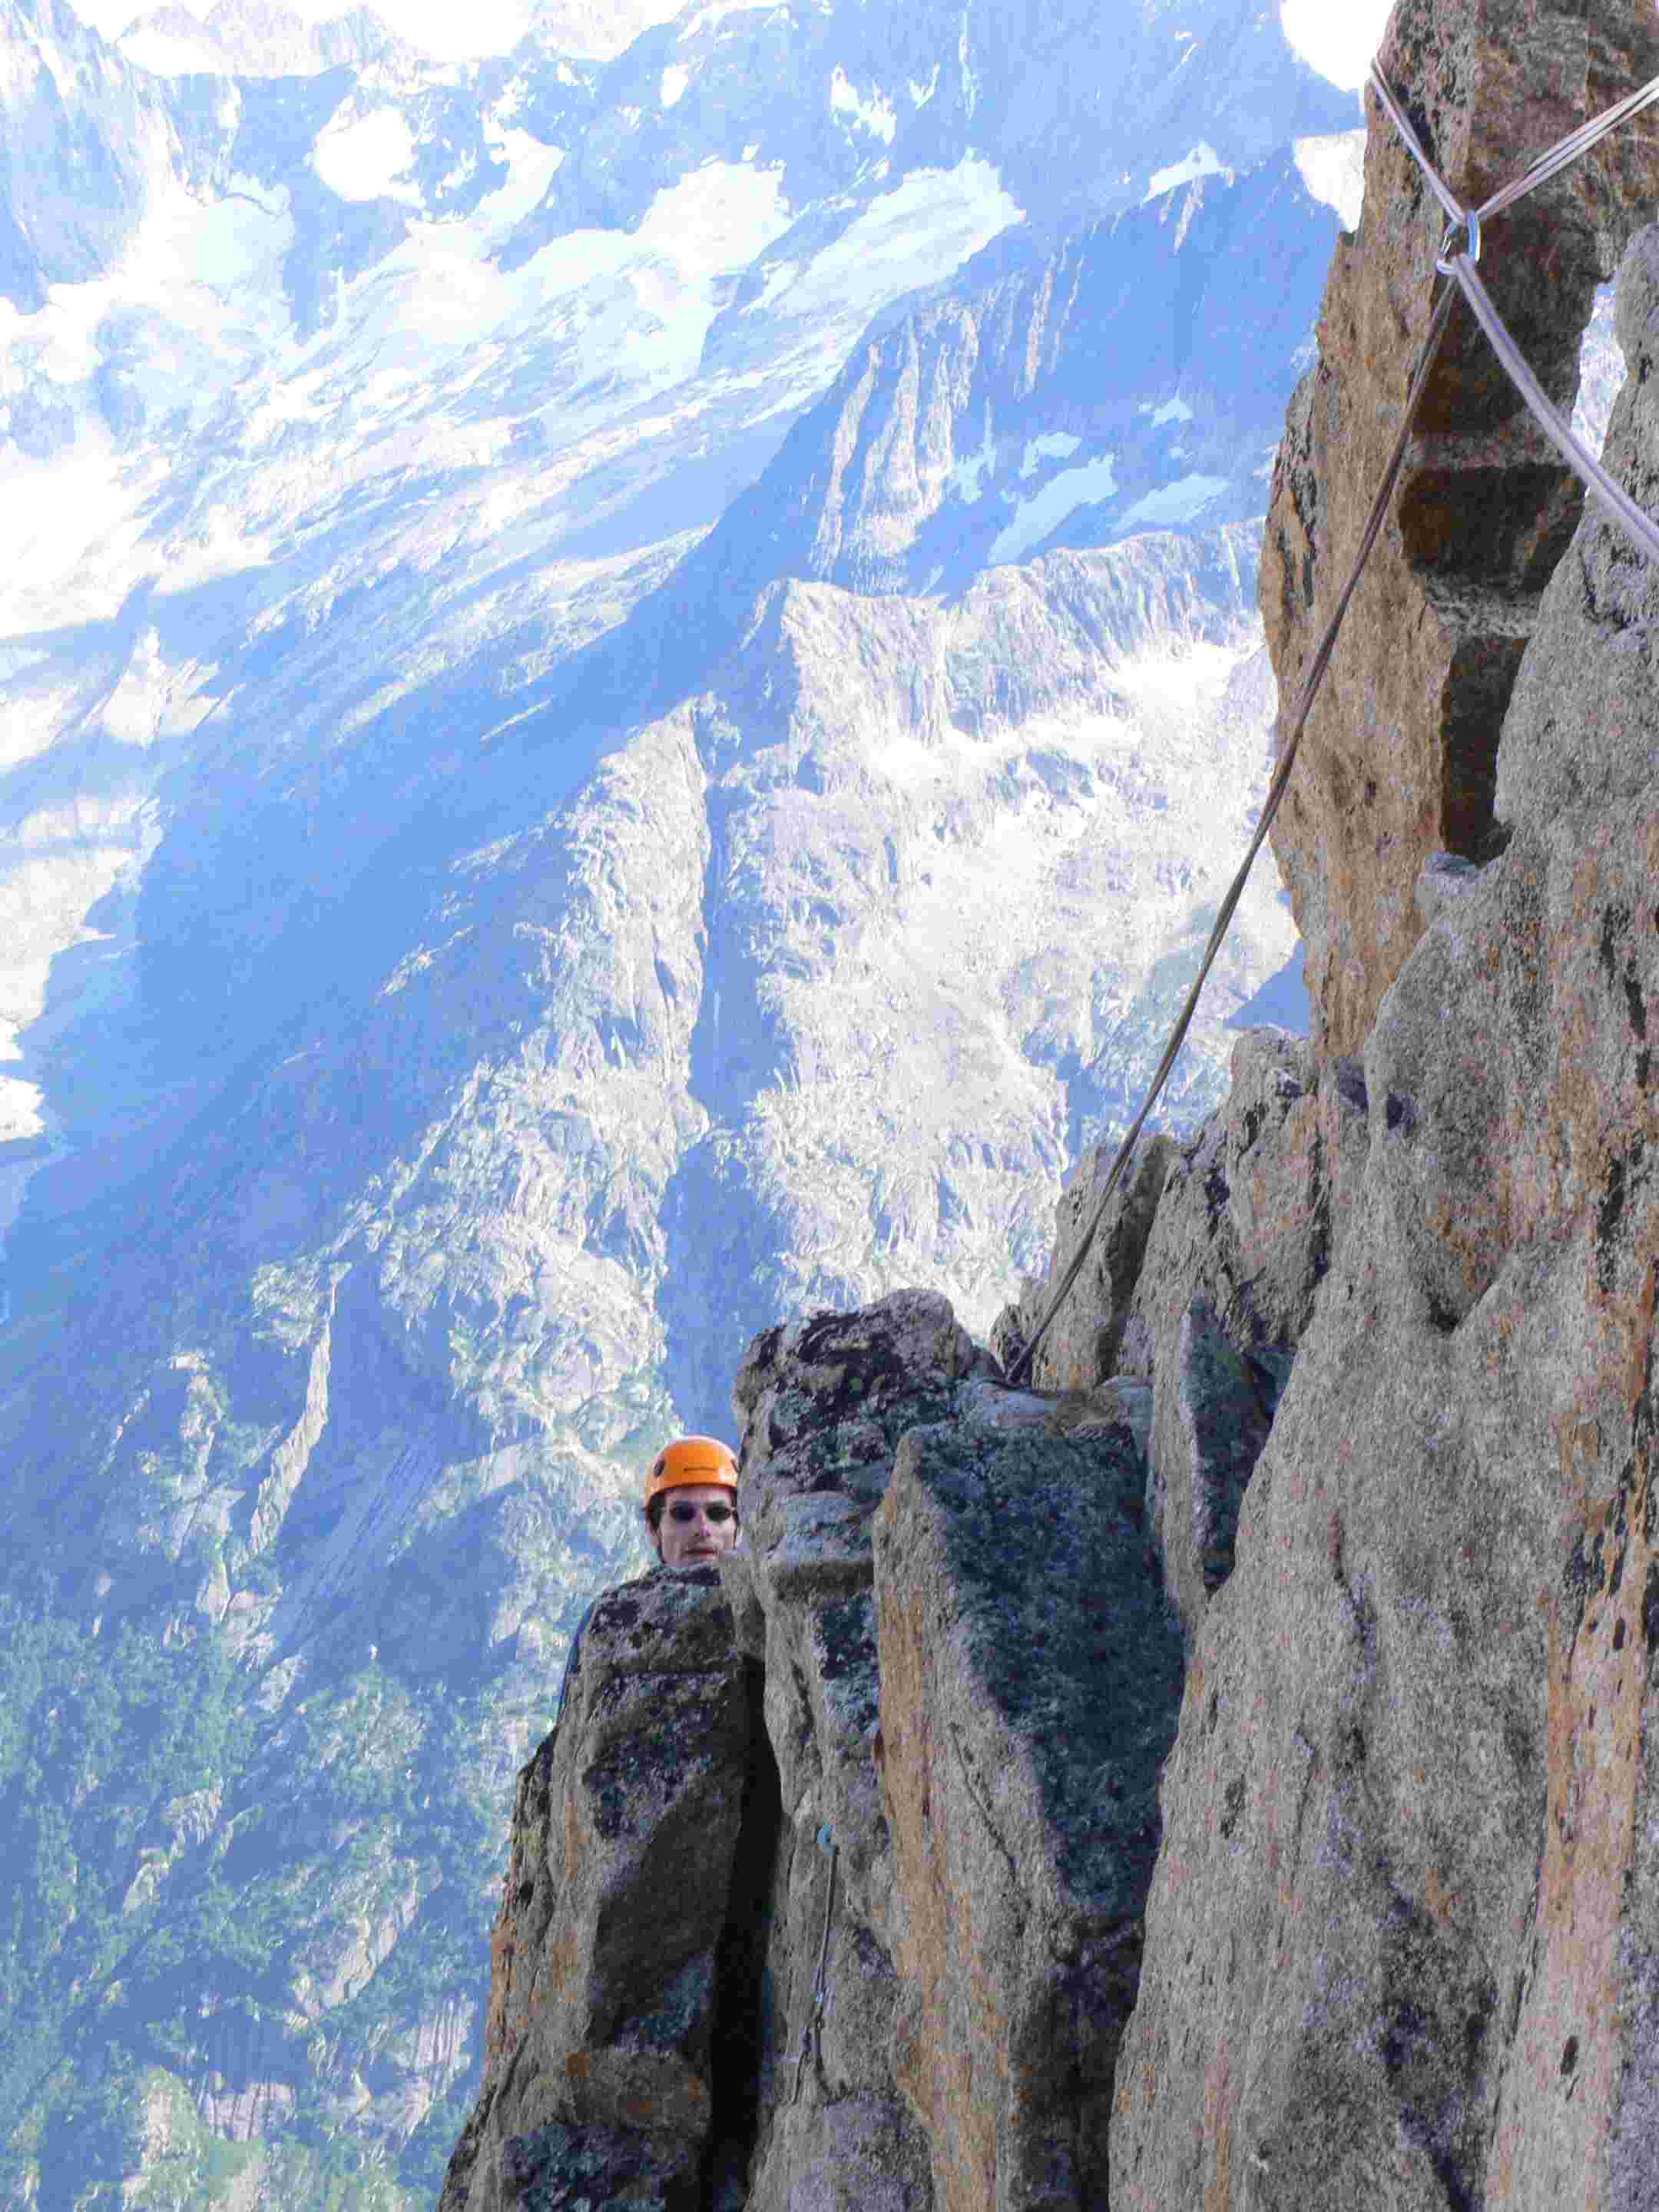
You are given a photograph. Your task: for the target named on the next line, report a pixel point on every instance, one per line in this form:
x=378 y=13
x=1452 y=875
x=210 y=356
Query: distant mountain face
x=1127 y=382
x=627 y=683
x=257 y=38
x=83 y=144
x=599 y=28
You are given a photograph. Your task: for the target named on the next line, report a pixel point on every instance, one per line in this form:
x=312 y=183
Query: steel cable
x=1548 y=417
x=1460 y=266
x=1577 y=456
x=1270 y=807
x=1548 y=164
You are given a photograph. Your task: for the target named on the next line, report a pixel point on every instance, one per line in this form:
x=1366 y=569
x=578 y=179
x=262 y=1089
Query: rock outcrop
x=728 y=1969
x=826 y=1403
x=1401 y=1942
x=1399 y=756
x=1030 y=1677
x=628 y=1889
x=1201 y=1279
x=1221 y=1775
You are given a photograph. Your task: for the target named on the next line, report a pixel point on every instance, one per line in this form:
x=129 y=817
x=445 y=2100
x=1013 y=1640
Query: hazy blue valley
x=628 y=682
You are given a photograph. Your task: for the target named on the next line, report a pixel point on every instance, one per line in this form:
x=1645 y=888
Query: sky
x=1338 y=40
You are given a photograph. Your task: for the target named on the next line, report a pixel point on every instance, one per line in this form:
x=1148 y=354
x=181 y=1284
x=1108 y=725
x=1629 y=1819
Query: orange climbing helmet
x=689 y=1460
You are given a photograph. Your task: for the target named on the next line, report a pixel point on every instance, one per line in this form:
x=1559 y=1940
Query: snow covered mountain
x=627 y=682
x=257 y=38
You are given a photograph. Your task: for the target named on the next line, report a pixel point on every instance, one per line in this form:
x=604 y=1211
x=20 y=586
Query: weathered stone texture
x=1246 y=1217
x=1030 y=1674
x=1402 y=1939
x=563 y=2169
x=1398 y=757
x=1201 y=1282
x=1083 y=1345
x=1208 y=1428
x=825 y=1403
x=625 y=1840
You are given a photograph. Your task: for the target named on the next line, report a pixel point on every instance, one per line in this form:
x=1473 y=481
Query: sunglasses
x=720 y=1514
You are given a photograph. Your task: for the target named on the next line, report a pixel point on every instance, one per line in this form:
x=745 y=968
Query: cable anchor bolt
x=1469 y=227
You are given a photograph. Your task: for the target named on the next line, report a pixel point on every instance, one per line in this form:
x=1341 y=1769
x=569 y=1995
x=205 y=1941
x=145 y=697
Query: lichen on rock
x=1399 y=1940
x=604 y=2013
x=1030 y=1679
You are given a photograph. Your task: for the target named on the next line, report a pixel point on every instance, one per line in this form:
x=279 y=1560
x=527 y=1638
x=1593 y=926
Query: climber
x=702 y=1515
x=691 y=1486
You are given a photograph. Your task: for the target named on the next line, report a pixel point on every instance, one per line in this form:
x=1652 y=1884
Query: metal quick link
x=1460 y=266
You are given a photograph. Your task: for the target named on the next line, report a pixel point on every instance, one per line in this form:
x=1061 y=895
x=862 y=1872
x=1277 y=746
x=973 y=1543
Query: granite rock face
x=617 y=1907
x=1400 y=1945
x=827 y=1401
x=1400 y=754
x=1201 y=1281
x=828 y=1890
x=1030 y=1675
x=1209 y=1425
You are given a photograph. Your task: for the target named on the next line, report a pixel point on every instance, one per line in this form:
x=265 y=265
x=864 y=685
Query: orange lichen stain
x=1437 y=1898
x=1218 y=2129
x=1552 y=2145
x=502 y=1950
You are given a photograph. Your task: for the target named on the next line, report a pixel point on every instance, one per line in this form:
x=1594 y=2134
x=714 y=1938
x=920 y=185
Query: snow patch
x=1172 y=411
x=918 y=233
x=875 y=115
x=674 y=81
x=588 y=301
x=365 y=158
x=531 y=169
x=967 y=477
x=1334 y=170
x=463 y=173
x=1202 y=161
x=969 y=81
x=163 y=54
x=154 y=698
x=1056 y=445
x=717 y=11
x=1034 y=519
x=922 y=94
x=20 y=1118
x=1180 y=501
x=193 y=307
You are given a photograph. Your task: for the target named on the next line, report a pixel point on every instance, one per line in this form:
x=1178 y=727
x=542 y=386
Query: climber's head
x=691 y=1501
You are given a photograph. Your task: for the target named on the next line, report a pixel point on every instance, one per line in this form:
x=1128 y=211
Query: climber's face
x=696 y=1523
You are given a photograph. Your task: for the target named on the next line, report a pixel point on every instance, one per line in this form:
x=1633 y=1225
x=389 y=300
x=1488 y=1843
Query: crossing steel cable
x=1548 y=164
x=1459 y=265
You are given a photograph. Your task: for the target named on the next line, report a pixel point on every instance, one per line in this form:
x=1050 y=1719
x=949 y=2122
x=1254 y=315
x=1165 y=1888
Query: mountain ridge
x=486 y=929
